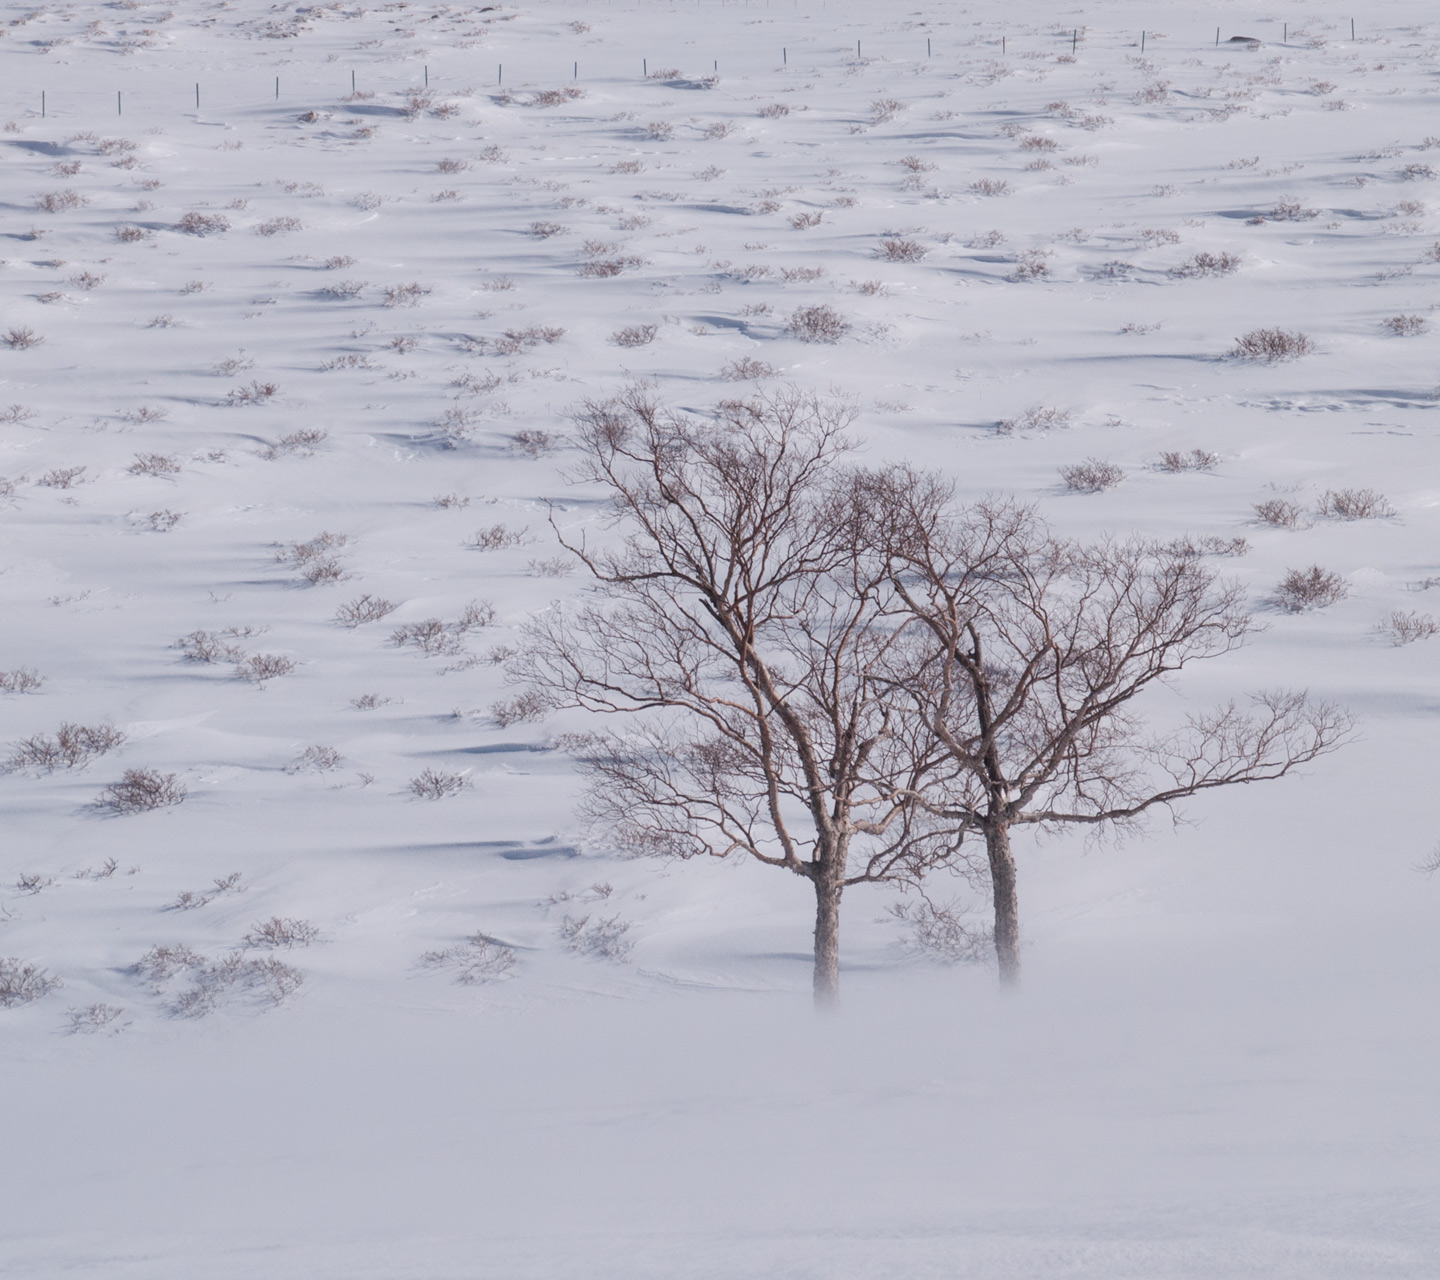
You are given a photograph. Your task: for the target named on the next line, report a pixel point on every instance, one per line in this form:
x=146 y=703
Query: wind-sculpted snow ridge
x=303 y=306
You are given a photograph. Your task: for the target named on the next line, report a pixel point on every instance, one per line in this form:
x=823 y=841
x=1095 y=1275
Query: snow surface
x=1224 y=1058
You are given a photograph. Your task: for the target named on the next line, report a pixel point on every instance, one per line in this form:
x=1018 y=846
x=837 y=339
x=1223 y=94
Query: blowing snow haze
x=447 y=452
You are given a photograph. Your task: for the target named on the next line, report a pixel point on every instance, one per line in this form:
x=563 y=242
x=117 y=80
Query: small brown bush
x=20 y=680
x=1040 y=417
x=1406 y=326
x=1091 y=476
x=195 y=223
x=533 y=443
x=58 y=201
x=1207 y=264
x=281 y=932
x=140 y=790
x=22 y=983
x=1289 y=210
x=545 y=230
x=21 y=339
x=804 y=221
x=990 y=187
x=1407 y=628
x=154 y=464
x=257 y=668
x=1313 y=588
x=1270 y=346
x=894 y=249
x=1195 y=460
x=437 y=784
x=747 y=370
x=1279 y=514
x=635 y=335
x=496 y=538
x=404 y=295
x=1353 y=504
x=72 y=747
x=303 y=441
x=277 y=226
x=62 y=478
x=774 y=110
x=362 y=609
x=817 y=324
x=477 y=959
x=254 y=392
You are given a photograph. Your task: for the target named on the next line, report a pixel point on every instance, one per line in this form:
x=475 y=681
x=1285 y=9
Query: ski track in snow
x=1223 y=1062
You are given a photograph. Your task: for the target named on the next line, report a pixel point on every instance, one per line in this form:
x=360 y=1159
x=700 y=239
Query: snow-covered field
x=301 y=346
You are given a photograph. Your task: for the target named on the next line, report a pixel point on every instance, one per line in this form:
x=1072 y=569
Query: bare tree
x=745 y=632
x=1036 y=651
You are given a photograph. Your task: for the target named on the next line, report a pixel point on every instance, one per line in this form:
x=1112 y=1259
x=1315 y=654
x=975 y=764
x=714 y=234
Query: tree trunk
x=827 y=941
x=1007 y=902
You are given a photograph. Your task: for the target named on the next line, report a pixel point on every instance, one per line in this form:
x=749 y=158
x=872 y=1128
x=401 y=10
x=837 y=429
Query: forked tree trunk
x=1007 y=902
x=827 y=940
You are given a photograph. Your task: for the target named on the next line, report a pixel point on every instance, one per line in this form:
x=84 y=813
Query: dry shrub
x=453 y=166
x=404 y=295
x=1196 y=460
x=252 y=393
x=314 y=759
x=1353 y=504
x=344 y=289
x=1406 y=326
x=1038 y=143
x=477 y=959
x=1407 y=628
x=1313 y=588
x=635 y=335
x=1289 y=210
x=604 y=937
x=1279 y=514
x=195 y=223
x=525 y=707
x=257 y=668
x=894 y=249
x=1032 y=264
x=433 y=637
x=62 y=478
x=1038 y=417
x=281 y=932
x=1270 y=346
x=302 y=441
x=362 y=609
x=883 y=110
x=1207 y=264
x=154 y=464
x=747 y=370
x=21 y=339
x=73 y=746
x=554 y=567
x=556 y=97
x=92 y=1018
x=659 y=130
x=437 y=784
x=817 y=324
x=533 y=443
x=606 y=268
x=208 y=647
x=804 y=275
x=164 y=521
x=22 y=983
x=20 y=680
x=278 y=226
x=940 y=932
x=496 y=538
x=545 y=230
x=990 y=187
x=1091 y=476
x=58 y=201
x=140 y=790
x=718 y=129
x=804 y=221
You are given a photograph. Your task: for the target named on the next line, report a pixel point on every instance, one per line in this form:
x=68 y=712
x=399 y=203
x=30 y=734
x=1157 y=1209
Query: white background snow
x=1223 y=1061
